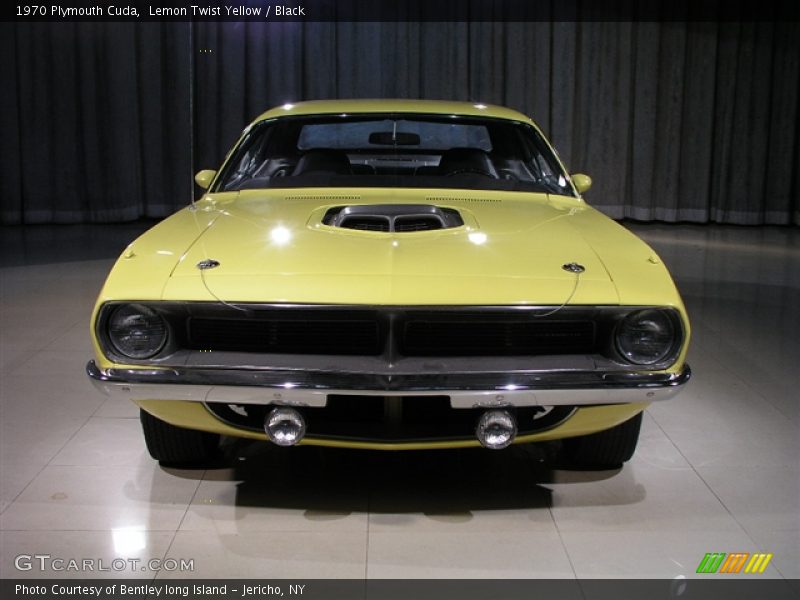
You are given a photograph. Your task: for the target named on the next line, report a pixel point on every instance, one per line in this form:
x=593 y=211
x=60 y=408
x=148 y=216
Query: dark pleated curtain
x=95 y=122
x=674 y=121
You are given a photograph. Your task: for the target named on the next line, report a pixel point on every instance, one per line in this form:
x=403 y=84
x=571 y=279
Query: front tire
x=605 y=449
x=176 y=445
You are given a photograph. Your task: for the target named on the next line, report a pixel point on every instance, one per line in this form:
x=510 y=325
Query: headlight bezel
x=114 y=350
x=671 y=351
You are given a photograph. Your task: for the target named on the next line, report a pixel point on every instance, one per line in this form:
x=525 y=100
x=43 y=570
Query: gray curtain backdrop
x=674 y=121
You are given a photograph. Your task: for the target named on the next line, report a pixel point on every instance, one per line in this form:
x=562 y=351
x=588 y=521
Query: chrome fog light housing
x=136 y=331
x=646 y=337
x=496 y=429
x=285 y=426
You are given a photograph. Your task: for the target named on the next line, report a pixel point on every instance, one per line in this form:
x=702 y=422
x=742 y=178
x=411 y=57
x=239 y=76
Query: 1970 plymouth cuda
x=391 y=275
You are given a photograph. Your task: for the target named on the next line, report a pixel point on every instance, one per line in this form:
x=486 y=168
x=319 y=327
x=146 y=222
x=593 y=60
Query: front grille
x=388 y=333
x=390 y=419
x=406 y=333
x=432 y=337
x=278 y=335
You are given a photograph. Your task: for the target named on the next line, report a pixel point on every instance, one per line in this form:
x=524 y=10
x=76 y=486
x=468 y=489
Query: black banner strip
x=707 y=588
x=401 y=10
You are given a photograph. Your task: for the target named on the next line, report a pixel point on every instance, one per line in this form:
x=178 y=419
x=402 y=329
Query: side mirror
x=581 y=182
x=204 y=178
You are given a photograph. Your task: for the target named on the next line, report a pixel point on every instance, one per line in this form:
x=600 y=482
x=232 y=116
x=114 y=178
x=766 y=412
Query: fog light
x=496 y=429
x=284 y=426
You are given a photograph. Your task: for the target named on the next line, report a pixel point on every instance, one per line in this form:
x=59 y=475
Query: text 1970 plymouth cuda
x=390 y=275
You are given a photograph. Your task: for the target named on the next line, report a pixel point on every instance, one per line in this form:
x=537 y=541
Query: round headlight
x=646 y=337
x=137 y=331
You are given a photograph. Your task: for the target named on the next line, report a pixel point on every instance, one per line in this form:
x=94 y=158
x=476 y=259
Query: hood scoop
x=397 y=218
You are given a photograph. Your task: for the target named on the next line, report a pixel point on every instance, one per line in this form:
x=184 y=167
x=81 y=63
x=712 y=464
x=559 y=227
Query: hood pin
x=573 y=267
x=208 y=263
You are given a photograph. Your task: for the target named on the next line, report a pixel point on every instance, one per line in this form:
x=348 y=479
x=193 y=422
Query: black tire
x=605 y=449
x=176 y=445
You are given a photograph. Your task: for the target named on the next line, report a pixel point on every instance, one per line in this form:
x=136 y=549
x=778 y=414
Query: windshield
x=394 y=151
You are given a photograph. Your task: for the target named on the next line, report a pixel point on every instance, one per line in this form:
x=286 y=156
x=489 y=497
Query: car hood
x=273 y=247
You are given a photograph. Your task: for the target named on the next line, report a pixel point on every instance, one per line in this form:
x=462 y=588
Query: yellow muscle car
x=390 y=275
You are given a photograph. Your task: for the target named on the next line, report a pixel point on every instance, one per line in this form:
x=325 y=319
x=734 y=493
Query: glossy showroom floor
x=717 y=468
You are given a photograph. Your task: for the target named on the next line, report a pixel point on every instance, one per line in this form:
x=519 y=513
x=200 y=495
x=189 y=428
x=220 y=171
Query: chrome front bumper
x=311 y=388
